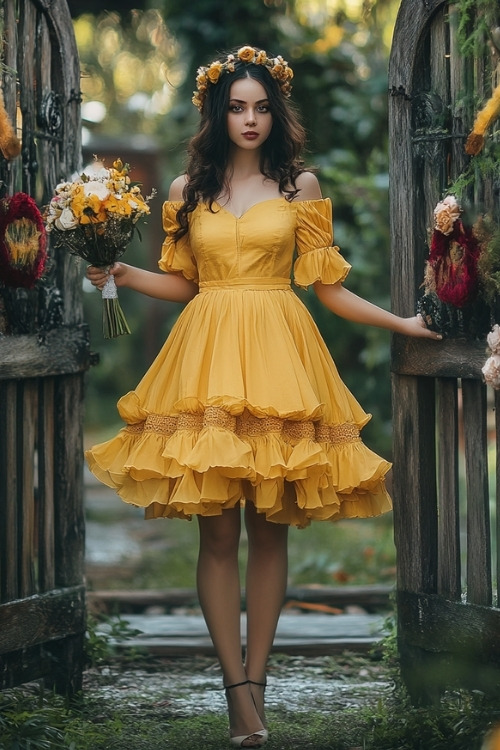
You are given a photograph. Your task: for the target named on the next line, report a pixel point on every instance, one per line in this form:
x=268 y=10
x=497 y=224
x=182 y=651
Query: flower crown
x=277 y=67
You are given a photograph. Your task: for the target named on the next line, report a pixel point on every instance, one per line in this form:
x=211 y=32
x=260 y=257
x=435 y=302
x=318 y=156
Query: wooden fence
x=448 y=570
x=44 y=351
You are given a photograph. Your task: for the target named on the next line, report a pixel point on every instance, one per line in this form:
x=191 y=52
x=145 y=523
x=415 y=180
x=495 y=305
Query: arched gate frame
x=448 y=628
x=44 y=352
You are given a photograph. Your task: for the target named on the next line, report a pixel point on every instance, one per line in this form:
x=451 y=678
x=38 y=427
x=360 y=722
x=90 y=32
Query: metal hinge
x=399 y=91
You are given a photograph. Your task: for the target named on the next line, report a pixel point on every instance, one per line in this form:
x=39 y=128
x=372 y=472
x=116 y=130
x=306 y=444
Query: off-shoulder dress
x=243 y=401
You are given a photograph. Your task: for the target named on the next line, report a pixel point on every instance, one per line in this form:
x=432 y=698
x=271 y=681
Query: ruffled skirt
x=244 y=402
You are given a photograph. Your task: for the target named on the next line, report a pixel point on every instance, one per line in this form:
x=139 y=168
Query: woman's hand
x=99 y=276
x=416 y=327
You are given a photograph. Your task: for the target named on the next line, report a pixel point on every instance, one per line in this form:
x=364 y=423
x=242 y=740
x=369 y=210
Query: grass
x=31 y=719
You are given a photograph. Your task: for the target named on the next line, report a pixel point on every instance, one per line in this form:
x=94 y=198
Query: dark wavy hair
x=208 y=149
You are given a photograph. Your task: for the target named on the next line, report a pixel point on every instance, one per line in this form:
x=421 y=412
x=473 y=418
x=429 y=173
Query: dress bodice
x=259 y=244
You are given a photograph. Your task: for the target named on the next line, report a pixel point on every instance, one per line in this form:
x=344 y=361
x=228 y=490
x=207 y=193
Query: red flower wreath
x=23 y=241
x=452 y=265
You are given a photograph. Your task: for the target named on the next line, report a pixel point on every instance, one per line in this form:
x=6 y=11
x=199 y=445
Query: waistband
x=252 y=284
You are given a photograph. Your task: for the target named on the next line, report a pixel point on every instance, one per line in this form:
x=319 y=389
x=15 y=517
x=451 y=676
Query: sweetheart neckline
x=267 y=200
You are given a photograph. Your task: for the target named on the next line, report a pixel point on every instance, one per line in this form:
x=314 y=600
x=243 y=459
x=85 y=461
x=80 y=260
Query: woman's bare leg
x=266 y=583
x=220 y=599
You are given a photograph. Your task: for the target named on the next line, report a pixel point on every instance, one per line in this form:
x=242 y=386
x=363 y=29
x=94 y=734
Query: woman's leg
x=266 y=583
x=220 y=598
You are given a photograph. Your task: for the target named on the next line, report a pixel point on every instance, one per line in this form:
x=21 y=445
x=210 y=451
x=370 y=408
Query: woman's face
x=249 y=120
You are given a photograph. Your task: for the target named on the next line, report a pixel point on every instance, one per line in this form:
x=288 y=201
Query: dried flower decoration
x=491 y=369
x=446 y=214
x=209 y=76
x=23 y=241
x=484 y=119
x=451 y=270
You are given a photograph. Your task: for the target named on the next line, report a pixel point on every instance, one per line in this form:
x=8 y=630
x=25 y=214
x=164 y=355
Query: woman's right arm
x=167 y=286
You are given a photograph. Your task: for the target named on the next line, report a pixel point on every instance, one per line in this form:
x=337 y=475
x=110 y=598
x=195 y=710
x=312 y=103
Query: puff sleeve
x=318 y=259
x=176 y=257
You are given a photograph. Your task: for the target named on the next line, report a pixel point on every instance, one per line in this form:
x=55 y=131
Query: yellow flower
x=78 y=202
x=119 y=206
x=201 y=80
x=278 y=71
x=246 y=54
x=261 y=58
x=214 y=71
x=94 y=204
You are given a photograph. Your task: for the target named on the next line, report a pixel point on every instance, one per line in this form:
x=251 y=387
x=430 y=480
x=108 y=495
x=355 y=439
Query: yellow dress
x=244 y=400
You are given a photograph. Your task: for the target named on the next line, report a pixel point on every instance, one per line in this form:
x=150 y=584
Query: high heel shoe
x=260 y=735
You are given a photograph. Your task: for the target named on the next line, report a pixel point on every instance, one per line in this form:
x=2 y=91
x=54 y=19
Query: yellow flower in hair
x=214 y=71
x=201 y=80
x=277 y=67
x=246 y=54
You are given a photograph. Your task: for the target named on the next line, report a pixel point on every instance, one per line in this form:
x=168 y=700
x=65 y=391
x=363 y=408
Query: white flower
x=491 y=371
x=94 y=187
x=96 y=173
x=445 y=214
x=66 y=220
x=493 y=339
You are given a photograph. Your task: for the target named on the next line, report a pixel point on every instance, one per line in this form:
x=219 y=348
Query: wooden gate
x=447 y=581
x=43 y=353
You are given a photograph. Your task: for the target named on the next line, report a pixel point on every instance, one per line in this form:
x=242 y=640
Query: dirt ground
x=295 y=683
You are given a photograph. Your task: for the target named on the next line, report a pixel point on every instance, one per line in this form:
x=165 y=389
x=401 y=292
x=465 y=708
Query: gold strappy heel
x=261 y=736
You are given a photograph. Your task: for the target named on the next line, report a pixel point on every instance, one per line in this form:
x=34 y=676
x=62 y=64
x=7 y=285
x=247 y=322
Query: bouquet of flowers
x=94 y=216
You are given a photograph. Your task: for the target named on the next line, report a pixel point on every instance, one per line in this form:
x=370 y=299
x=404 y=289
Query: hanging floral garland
x=452 y=267
x=462 y=274
x=23 y=241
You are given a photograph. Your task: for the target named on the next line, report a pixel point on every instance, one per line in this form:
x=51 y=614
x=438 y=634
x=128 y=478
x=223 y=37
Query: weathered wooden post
x=44 y=352
x=448 y=630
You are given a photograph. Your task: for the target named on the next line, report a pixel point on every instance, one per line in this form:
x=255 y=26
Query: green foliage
x=103 y=636
x=483 y=166
x=32 y=724
x=459 y=722
x=489 y=260
x=355 y=552
x=476 y=19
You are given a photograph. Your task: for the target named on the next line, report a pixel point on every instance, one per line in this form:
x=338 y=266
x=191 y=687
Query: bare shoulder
x=309 y=188
x=176 y=188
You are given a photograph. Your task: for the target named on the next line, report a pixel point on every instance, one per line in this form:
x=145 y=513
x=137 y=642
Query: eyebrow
x=242 y=101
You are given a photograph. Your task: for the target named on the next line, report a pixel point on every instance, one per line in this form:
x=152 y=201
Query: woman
x=243 y=406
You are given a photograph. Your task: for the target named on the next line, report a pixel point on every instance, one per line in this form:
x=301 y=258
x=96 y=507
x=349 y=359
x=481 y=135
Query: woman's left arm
x=347 y=305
